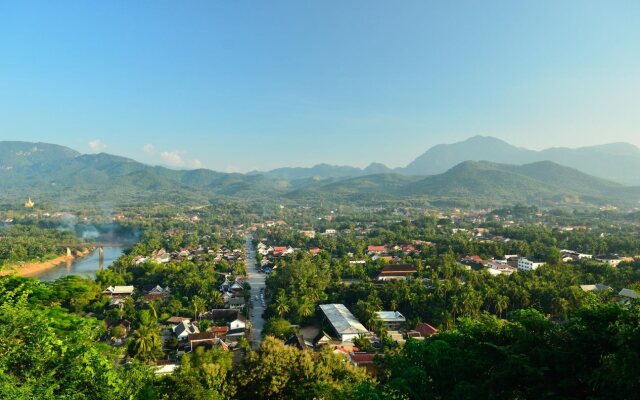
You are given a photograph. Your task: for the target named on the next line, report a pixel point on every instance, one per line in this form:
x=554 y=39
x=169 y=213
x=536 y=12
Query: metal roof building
x=393 y=320
x=345 y=325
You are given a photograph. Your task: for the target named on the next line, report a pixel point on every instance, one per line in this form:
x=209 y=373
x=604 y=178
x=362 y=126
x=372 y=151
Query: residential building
x=425 y=329
x=396 y=272
x=184 y=329
x=525 y=264
x=598 y=287
x=392 y=320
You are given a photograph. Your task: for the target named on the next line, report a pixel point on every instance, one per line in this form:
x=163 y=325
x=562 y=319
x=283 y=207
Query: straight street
x=257 y=282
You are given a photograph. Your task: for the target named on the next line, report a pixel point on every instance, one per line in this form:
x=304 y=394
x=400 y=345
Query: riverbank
x=34 y=268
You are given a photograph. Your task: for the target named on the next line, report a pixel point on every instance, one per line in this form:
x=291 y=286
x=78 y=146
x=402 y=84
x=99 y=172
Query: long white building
x=344 y=324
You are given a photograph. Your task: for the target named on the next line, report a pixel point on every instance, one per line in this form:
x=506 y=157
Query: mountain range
x=619 y=162
x=62 y=175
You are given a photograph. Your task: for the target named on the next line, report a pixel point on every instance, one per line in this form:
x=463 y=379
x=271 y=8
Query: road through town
x=256 y=280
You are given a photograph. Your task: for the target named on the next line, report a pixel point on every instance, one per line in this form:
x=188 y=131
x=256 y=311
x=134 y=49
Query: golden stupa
x=29 y=203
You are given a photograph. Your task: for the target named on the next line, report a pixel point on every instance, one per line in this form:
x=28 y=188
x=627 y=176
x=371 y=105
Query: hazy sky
x=240 y=85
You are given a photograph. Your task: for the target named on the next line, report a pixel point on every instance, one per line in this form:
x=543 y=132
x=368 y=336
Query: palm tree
x=147 y=343
x=281 y=305
x=306 y=308
x=198 y=304
x=502 y=302
x=216 y=299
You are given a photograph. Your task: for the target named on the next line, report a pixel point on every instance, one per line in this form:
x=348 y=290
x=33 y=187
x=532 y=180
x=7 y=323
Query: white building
x=528 y=265
x=393 y=320
x=344 y=324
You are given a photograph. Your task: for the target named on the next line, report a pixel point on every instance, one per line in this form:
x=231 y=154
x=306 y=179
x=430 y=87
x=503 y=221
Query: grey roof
x=185 y=326
x=632 y=294
x=236 y=301
x=390 y=316
x=598 y=287
x=342 y=320
x=119 y=290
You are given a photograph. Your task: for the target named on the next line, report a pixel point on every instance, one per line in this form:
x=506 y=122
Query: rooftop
x=342 y=320
x=390 y=316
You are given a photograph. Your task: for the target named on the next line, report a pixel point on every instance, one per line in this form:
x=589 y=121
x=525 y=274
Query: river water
x=85 y=266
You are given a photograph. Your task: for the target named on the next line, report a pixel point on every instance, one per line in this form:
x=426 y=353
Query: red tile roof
x=377 y=248
x=426 y=329
x=360 y=358
x=219 y=329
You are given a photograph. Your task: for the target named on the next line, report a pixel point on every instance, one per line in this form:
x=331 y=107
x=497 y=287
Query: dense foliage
x=22 y=243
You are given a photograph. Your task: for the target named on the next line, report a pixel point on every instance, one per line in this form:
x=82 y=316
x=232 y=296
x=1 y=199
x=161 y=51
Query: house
x=363 y=360
x=314 y=251
x=330 y=231
x=321 y=339
x=119 y=291
x=176 y=320
x=528 y=265
x=396 y=272
x=237 y=303
x=628 y=294
x=376 y=249
x=200 y=339
x=296 y=340
x=239 y=323
x=344 y=324
x=207 y=340
x=598 y=287
x=157 y=293
x=310 y=233
x=392 y=320
x=219 y=331
x=614 y=262
x=499 y=267
x=425 y=330
x=574 y=255
x=408 y=248
x=282 y=250
x=236 y=288
x=184 y=329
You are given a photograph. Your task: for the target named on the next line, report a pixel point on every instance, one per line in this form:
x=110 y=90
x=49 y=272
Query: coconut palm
x=198 y=304
x=147 y=343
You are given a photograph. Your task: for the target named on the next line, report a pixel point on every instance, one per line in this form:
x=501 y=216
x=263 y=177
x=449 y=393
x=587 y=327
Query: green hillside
x=57 y=174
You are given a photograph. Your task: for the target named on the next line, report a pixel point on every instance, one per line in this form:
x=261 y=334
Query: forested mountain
x=18 y=154
x=58 y=174
x=482 y=183
x=616 y=161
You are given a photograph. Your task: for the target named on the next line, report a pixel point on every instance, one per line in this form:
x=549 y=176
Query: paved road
x=256 y=280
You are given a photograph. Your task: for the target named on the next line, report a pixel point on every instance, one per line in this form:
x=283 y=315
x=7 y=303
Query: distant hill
x=18 y=154
x=443 y=157
x=59 y=174
x=50 y=173
x=619 y=162
x=323 y=171
x=533 y=183
x=481 y=184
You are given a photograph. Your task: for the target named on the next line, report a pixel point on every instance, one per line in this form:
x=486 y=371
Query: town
x=357 y=284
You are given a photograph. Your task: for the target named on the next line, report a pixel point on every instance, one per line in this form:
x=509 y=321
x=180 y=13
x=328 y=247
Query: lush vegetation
x=526 y=335
x=595 y=354
x=23 y=243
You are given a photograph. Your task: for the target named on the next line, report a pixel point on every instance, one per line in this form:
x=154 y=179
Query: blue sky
x=241 y=85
